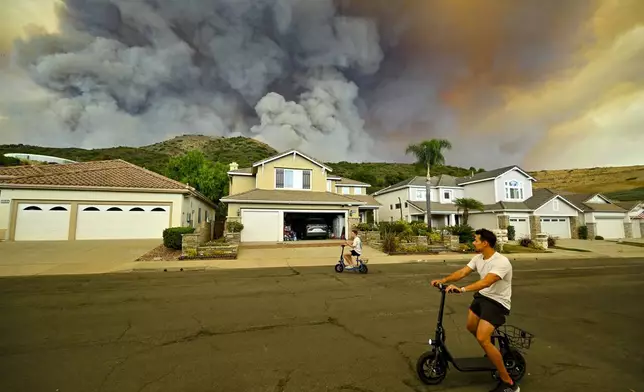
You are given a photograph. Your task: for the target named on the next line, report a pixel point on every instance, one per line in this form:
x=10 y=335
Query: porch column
x=452 y=220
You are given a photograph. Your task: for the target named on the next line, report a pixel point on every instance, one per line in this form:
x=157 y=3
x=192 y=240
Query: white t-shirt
x=357 y=245
x=501 y=290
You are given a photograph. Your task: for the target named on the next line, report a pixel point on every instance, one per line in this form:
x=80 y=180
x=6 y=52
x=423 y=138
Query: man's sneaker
x=505 y=387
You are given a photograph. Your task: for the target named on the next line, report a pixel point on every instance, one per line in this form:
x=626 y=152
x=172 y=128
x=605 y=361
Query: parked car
x=316 y=228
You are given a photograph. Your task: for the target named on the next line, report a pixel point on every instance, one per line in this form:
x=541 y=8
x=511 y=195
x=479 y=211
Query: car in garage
x=316 y=228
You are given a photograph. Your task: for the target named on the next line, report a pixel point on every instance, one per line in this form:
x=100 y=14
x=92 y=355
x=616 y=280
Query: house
x=600 y=215
x=636 y=214
x=102 y=200
x=509 y=200
x=288 y=190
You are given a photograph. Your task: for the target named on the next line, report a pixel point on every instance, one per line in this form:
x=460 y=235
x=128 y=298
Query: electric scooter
x=432 y=365
x=361 y=266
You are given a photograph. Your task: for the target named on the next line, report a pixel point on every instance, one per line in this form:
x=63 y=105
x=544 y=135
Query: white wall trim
x=240 y=174
x=282 y=211
x=294 y=152
x=560 y=198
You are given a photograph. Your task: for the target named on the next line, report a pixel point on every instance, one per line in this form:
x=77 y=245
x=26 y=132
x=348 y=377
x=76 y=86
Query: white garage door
x=42 y=222
x=261 y=226
x=556 y=226
x=116 y=222
x=610 y=228
x=521 y=227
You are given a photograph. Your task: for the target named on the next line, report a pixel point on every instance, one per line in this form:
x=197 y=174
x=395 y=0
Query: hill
x=621 y=183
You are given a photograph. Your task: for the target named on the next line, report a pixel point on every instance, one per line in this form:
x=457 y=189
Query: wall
x=42 y=196
x=240 y=184
x=266 y=173
x=548 y=209
x=483 y=221
x=192 y=205
x=412 y=193
x=337 y=188
x=457 y=193
x=509 y=176
x=481 y=191
x=384 y=213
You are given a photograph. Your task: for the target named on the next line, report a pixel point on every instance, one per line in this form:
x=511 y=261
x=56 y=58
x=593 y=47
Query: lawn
x=510 y=248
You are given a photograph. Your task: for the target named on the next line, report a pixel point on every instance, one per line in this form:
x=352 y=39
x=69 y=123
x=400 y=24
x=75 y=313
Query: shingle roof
x=284 y=153
x=97 y=174
x=507 y=205
x=371 y=202
x=579 y=200
x=290 y=197
x=436 y=207
x=627 y=205
x=440 y=180
x=348 y=181
x=488 y=175
x=539 y=198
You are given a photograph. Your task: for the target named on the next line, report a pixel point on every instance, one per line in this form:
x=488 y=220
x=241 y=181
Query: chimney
x=234 y=166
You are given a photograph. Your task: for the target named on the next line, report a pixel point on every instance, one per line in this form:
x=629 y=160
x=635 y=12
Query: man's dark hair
x=487 y=235
x=354 y=231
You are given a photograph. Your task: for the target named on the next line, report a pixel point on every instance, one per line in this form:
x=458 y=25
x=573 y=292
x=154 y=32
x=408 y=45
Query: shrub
x=172 y=236
x=466 y=247
x=419 y=228
x=582 y=232
x=465 y=233
x=234 y=227
x=398 y=228
x=389 y=242
x=525 y=241
x=552 y=241
x=599 y=238
x=511 y=233
x=366 y=227
x=434 y=237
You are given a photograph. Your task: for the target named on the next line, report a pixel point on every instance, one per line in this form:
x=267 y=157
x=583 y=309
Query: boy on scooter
x=492 y=299
x=356 y=248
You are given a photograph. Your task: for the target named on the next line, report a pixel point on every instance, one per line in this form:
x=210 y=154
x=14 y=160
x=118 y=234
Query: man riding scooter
x=356 y=248
x=492 y=299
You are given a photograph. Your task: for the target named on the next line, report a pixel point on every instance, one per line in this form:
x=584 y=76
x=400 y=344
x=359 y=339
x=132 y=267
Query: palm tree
x=467 y=205
x=429 y=152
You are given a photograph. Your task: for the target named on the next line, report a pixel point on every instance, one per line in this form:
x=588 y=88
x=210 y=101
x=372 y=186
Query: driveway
x=294 y=256
x=69 y=257
x=603 y=248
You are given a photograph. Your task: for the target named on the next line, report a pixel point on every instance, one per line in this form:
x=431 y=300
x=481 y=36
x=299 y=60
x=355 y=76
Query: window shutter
x=306 y=179
x=279 y=174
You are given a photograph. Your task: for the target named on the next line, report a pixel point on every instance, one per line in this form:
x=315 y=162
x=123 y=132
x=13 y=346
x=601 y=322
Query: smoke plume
x=540 y=83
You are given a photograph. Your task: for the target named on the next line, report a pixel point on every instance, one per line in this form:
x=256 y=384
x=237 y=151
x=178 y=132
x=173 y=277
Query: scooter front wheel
x=339 y=268
x=431 y=370
x=363 y=269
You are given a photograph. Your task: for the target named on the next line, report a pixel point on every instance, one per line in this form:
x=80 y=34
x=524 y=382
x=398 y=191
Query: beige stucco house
x=289 y=189
x=102 y=200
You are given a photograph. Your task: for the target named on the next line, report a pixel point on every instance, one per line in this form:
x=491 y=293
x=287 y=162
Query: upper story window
x=513 y=190
x=292 y=179
x=420 y=194
x=448 y=194
x=555 y=205
x=357 y=191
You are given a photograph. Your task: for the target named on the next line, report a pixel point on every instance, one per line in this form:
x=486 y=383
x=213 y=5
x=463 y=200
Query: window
x=357 y=191
x=136 y=209
x=159 y=209
x=90 y=209
x=420 y=194
x=199 y=216
x=206 y=217
x=391 y=206
x=114 y=209
x=406 y=205
x=33 y=208
x=447 y=194
x=397 y=206
x=555 y=205
x=346 y=190
x=513 y=190
x=292 y=179
x=58 y=208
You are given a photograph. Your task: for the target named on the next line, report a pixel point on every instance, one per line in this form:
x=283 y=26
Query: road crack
x=337 y=323
x=129 y=326
x=282 y=382
x=161 y=377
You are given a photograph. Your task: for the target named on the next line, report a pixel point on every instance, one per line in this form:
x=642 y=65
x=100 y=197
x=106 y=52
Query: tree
x=192 y=168
x=466 y=205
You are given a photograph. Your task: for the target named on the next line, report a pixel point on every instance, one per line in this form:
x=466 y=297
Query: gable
x=494 y=174
x=597 y=199
x=557 y=206
x=293 y=155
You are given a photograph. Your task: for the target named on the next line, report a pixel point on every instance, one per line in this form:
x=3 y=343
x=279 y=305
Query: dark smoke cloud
x=343 y=80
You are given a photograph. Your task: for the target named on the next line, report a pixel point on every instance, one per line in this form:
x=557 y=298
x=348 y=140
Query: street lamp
x=428 y=191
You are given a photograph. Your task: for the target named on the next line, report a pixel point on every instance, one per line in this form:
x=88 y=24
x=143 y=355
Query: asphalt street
x=310 y=329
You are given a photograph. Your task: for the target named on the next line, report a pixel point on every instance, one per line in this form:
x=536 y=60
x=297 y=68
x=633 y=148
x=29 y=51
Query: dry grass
x=598 y=179
x=161 y=253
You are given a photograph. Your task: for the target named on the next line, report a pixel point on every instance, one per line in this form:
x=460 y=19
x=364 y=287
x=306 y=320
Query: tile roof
x=371 y=202
x=290 y=197
x=640 y=216
x=436 y=207
x=488 y=175
x=97 y=174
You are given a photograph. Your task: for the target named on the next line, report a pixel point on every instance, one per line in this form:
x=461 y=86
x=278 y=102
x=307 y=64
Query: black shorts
x=489 y=310
x=354 y=253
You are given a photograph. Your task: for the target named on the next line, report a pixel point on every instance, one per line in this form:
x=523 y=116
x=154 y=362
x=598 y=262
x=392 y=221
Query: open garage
x=272 y=225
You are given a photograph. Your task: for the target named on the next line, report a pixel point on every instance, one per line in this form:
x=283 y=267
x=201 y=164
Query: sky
x=543 y=84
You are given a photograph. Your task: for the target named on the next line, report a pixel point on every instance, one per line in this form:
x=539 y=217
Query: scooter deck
x=474 y=364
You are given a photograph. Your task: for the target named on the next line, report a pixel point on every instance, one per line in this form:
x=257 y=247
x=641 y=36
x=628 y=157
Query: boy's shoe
x=505 y=387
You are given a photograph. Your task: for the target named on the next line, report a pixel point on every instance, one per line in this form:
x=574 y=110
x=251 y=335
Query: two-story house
x=509 y=199
x=290 y=189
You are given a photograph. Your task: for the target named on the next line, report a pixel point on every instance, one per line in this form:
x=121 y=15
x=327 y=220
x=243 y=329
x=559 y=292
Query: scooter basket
x=516 y=336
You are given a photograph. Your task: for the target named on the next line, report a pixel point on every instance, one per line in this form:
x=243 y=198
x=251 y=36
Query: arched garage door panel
x=42 y=222
x=113 y=222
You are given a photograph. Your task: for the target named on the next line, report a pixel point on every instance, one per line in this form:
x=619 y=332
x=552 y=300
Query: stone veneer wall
x=535 y=226
x=503 y=221
x=592 y=229
x=233 y=238
x=574 y=227
x=628 y=230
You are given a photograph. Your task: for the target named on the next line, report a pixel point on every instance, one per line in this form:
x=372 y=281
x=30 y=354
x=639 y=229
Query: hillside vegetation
x=621 y=183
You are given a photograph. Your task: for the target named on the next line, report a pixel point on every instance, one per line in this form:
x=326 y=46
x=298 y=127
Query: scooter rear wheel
x=339 y=268
x=515 y=364
x=363 y=269
x=430 y=372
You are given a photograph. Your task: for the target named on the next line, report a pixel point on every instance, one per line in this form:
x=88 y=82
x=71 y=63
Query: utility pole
x=401 y=207
x=428 y=191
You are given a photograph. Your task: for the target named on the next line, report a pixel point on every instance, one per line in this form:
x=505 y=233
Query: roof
x=371 y=202
x=348 y=181
x=507 y=205
x=640 y=216
x=628 y=205
x=291 y=197
x=492 y=174
x=246 y=171
x=99 y=175
x=436 y=207
x=442 y=180
x=579 y=200
x=292 y=151
x=544 y=195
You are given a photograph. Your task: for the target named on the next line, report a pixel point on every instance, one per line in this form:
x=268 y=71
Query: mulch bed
x=161 y=253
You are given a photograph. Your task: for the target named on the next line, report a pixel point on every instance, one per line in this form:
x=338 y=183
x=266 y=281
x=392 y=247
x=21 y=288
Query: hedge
x=172 y=236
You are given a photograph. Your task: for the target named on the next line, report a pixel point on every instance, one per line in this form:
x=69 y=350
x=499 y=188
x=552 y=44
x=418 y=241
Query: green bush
x=419 y=228
x=582 y=232
x=172 y=236
x=234 y=227
x=366 y=227
x=465 y=233
x=511 y=233
x=526 y=242
x=552 y=241
x=389 y=242
x=399 y=228
x=599 y=238
x=435 y=237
